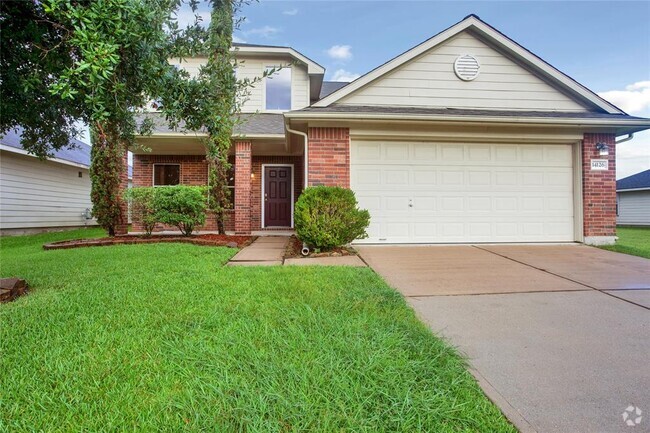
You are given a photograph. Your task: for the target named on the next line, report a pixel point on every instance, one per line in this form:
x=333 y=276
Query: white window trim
x=266 y=110
x=153 y=173
x=262 y=224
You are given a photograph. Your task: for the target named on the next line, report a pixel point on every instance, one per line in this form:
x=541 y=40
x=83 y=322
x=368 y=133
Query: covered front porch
x=265 y=180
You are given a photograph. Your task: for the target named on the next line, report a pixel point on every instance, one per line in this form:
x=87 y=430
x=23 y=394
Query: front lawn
x=632 y=240
x=161 y=337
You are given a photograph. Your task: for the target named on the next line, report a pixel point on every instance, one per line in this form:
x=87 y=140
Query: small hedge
x=326 y=217
x=181 y=206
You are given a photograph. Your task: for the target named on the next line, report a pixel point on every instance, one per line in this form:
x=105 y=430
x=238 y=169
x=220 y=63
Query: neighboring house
x=40 y=195
x=467 y=137
x=633 y=199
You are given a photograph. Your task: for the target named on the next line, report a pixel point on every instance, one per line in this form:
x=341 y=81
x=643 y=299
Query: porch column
x=243 y=167
x=123 y=227
x=599 y=190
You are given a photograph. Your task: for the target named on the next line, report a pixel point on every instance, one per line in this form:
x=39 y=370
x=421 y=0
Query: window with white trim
x=166 y=174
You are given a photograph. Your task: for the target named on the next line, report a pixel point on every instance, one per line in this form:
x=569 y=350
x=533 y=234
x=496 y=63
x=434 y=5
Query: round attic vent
x=466 y=67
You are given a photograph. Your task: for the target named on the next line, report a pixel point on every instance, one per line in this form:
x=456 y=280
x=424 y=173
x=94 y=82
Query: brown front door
x=277 y=196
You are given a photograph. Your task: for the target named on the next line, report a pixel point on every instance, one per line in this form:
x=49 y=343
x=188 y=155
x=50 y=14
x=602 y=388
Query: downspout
x=304 y=135
x=305 y=249
x=628 y=138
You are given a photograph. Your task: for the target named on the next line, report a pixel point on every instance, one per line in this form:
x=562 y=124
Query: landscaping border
x=203 y=240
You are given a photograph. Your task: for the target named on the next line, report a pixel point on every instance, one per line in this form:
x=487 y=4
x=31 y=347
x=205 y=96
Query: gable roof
x=474 y=24
x=635 y=182
x=77 y=154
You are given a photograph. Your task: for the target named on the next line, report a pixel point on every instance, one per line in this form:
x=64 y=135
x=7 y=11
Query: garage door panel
x=451 y=192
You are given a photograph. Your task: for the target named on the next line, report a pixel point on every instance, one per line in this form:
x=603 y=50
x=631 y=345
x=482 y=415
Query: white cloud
x=633 y=156
x=265 y=32
x=238 y=39
x=291 y=12
x=340 y=52
x=345 y=76
x=634 y=99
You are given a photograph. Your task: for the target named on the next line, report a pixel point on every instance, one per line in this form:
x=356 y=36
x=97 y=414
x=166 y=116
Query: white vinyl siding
x=37 y=193
x=430 y=81
x=253 y=68
x=633 y=208
x=435 y=192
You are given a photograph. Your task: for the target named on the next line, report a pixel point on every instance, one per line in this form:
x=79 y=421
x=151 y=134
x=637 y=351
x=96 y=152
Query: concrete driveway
x=558 y=336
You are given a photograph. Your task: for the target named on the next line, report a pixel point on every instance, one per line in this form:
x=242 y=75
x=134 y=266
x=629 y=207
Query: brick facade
x=194 y=171
x=329 y=156
x=243 y=162
x=598 y=189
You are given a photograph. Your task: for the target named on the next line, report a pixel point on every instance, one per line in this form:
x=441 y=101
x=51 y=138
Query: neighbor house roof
x=637 y=181
x=77 y=154
x=253 y=125
x=474 y=24
x=329 y=87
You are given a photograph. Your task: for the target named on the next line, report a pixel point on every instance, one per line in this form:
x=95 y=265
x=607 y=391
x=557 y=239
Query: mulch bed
x=212 y=240
x=295 y=246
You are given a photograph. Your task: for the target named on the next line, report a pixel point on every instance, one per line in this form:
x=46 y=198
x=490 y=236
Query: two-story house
x=467 y=137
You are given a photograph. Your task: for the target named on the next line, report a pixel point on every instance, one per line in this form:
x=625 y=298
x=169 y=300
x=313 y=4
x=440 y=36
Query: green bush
x=142 y=201
x=327 y=217
x=181 y=206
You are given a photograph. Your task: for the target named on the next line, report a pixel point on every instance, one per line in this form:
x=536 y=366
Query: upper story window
x=278 y=90
x=166 y=174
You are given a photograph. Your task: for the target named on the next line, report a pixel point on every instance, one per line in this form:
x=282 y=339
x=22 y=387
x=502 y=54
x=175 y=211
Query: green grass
x=632 y=240
x=162 y=337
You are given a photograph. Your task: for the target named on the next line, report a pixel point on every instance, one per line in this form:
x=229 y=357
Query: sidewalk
x=264 y=251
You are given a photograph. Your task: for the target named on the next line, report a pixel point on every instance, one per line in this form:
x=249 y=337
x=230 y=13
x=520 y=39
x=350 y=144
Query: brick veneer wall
x=599 y=187
x=194 y=171
x=329 y=156
x=243 y=161
x=256 y=191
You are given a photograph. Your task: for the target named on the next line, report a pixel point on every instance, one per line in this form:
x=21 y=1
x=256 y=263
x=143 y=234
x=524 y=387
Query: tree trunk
x=107 y=164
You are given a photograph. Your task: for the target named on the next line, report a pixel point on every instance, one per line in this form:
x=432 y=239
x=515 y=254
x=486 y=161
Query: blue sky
x=603 y=45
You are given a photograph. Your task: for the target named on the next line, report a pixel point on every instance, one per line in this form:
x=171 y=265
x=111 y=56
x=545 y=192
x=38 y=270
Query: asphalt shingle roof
x=78 y=152
x=329 y=87
x=636 y=181
x=262 y=123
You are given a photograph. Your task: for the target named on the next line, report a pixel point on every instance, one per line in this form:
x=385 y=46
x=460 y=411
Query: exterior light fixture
x=252 y=175
x=602 y=149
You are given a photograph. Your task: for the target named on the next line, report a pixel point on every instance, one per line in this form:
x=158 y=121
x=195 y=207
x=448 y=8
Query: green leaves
x=327 y=217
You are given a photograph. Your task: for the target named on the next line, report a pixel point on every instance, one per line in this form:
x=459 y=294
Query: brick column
x=329 y=157
x=243 y=164
x=123 y=227
x=599 y=191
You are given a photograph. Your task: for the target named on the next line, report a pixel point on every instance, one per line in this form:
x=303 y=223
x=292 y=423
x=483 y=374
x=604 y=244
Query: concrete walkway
x=557 y=336
x=264 y=251
x=269 y=251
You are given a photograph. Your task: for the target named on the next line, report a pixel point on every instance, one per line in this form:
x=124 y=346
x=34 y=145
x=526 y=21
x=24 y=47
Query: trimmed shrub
x=181 y=206
x=326 y=217
x=142 y=201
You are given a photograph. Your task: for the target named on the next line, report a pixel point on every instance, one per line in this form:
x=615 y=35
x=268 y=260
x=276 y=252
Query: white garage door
x=420 y=192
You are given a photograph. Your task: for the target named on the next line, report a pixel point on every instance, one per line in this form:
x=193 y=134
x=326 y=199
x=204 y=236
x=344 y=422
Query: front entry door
x=277 y=196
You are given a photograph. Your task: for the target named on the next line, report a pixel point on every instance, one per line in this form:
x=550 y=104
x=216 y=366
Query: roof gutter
x=623 y=140
x=641 y=123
